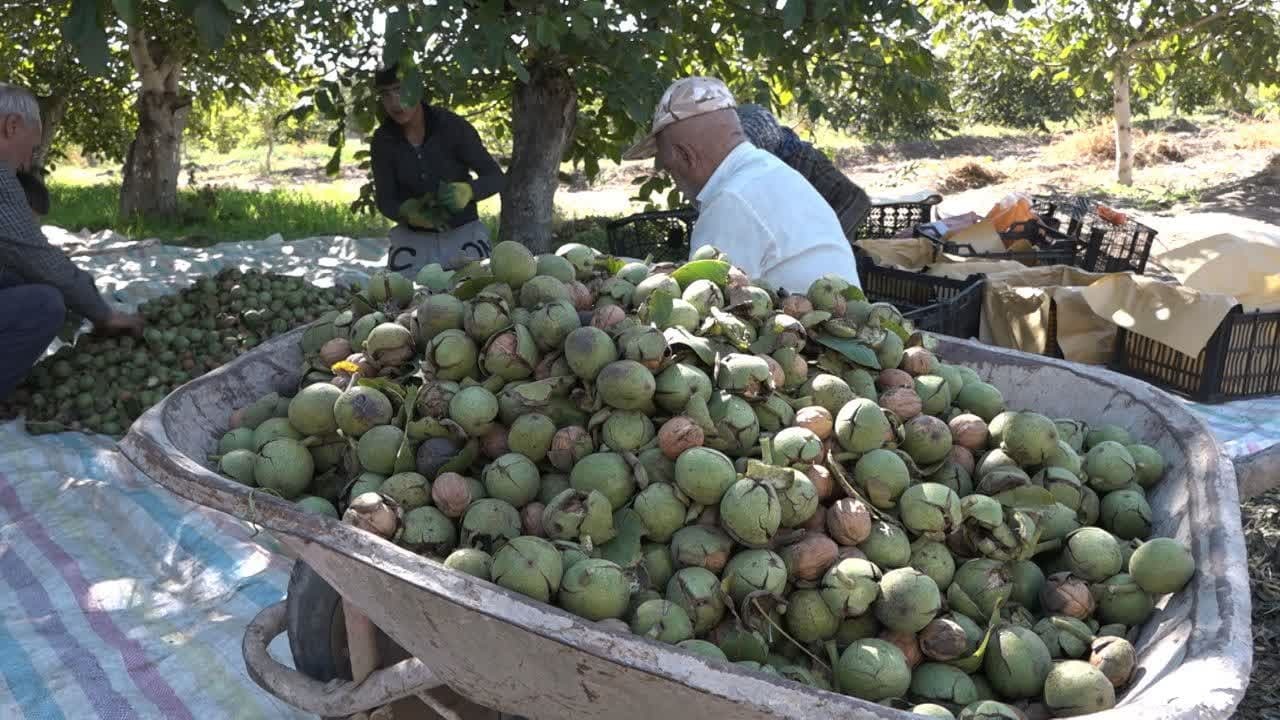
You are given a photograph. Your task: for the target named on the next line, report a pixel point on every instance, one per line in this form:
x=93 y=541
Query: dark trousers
x=30 y=317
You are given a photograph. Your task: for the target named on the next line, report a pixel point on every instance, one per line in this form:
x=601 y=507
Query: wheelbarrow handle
x=327 y=699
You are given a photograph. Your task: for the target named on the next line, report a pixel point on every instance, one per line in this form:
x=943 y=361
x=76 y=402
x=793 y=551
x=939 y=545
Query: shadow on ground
x=1257 y=196
x=997 y=148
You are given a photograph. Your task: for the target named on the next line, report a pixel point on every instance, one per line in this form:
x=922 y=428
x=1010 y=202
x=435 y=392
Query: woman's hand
x=455 y=196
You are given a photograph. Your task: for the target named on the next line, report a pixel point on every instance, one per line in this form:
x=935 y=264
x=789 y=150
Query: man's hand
x=455 y=196
x=118 y=323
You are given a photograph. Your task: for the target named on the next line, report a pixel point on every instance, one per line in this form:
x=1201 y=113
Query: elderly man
x=764 y=215
x=37 y=282
x=850 y=202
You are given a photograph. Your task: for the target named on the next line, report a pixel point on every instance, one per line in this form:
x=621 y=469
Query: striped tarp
x=118 y=599
x=1243 y=426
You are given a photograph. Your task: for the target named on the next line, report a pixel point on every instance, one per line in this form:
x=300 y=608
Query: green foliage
x=223 y=125
x=992 y=81
x=1267 y=101
x=211 y=215
x=73 y=54
x=835 y=60
x=88 y=24
x=1205 y=53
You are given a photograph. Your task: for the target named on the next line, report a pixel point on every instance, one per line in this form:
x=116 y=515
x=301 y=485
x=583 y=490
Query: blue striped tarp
x=118 y=599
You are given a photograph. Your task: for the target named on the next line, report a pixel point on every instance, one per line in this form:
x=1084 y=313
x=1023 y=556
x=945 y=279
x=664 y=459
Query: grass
x=1149 y=198
x=1096 y=144
x=216 y=214
x=1256 y=136
x=212 y=215
x=968 y=175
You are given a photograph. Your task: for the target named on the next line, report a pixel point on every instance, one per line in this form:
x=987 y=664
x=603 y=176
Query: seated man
x=37 y=282
x=764 y=215
x=850 y=202
x=423 y=158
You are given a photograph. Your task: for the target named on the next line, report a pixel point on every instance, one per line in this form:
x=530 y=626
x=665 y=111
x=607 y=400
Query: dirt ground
x=1215 y=165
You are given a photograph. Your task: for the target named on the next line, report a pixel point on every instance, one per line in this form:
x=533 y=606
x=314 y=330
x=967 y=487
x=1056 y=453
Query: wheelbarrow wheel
x=317 y=630
x=318 y=633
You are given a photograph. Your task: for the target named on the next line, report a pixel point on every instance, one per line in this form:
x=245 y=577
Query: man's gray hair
x=17 y=100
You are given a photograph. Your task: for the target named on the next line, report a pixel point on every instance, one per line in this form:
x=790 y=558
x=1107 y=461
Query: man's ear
x=8 y=125
x=687 y=155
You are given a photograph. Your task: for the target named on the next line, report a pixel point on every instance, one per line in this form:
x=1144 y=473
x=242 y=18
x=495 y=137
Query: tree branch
x=1151 y=39
x=148 y=73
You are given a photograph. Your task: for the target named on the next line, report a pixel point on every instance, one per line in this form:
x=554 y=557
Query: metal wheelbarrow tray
x=506 y=652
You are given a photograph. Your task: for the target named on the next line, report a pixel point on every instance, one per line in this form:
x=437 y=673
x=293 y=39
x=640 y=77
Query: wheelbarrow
x=503 y=651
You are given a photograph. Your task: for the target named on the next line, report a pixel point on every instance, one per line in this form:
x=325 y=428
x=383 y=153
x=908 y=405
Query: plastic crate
x=1107 y=246
x=1241 y=360
x=1052 y=246
x=935 y=304
x=663 y=235
x=886 y=220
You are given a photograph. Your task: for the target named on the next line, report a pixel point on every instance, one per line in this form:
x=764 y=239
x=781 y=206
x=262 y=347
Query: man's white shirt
x=771 y=222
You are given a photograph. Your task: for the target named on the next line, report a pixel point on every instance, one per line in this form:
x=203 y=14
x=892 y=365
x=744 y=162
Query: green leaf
x=83 y=30
x=717 y=271
x=386 y=386
x=973 y=663
x=411 y=86
x=235 y=6
x=660 y=304
x=463 y=460
x=213 y=23
x=896 y=329
x=472 y=287
x=1027 y=496
x=332 y=167
x=592 y=8
x=793 y=14
x=857 y=352
x=613 y=264
x=397 y=24
x=127 y=10
x=702 y=347
x=324 y=102
x=517 y=67
x=854 y=292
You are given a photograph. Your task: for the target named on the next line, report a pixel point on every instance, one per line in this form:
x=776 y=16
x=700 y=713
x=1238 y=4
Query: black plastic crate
x=1107 y=246
x=1241 y=360
x=935 y=304
x=886 y=220
x=663 y=235
x=1052 y=246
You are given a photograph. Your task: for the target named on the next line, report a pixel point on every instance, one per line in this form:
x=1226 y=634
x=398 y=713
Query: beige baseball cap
x=686 y=98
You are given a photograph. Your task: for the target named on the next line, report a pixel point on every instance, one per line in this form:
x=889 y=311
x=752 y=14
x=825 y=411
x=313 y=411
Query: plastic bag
x=1012 y=208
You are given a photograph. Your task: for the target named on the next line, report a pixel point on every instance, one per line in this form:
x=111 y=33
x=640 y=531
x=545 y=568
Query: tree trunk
x=543 y=114
x=151 y=168
x=52 y=109
x=1124 y=124
x=150 y=185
